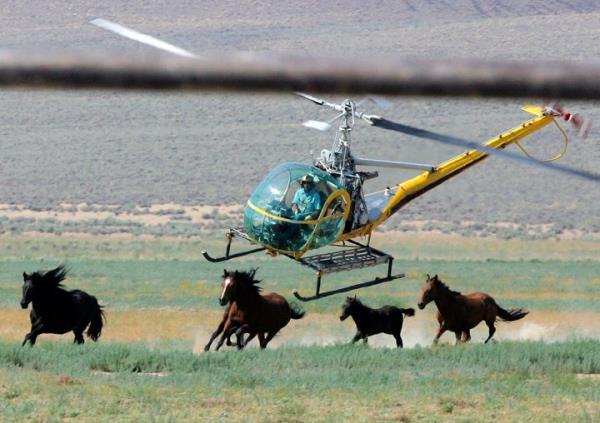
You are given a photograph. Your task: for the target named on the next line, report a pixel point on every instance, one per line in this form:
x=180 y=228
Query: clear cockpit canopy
x=272 y=219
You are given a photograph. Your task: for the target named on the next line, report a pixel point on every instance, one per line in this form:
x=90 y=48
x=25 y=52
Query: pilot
x=307 y=200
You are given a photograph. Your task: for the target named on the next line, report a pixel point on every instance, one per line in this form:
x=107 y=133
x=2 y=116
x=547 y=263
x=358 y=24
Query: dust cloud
x=324 y=330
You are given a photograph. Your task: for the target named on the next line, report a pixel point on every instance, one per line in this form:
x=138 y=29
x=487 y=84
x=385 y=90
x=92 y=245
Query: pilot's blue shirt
x=308 y=203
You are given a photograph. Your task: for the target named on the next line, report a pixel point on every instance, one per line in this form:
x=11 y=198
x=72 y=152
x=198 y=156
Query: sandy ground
x=154 y=327
x=153 y=215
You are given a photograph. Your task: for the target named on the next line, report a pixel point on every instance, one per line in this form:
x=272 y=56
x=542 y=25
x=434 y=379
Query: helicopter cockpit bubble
x=271 y=219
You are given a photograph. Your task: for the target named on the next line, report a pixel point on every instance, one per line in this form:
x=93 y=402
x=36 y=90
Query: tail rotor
x=579 y=123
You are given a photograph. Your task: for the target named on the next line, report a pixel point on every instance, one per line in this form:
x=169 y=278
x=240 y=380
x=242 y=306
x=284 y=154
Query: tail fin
x=296 y=314
x=511 y=314
x=408 y=311
x=95 y=329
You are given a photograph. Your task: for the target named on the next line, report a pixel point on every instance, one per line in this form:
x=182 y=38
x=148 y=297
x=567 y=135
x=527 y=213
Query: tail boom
x=420 y=184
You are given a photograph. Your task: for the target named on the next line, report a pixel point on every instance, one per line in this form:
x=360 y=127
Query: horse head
x=237 y=284
x=429 y=291
x=347 y=307
x=28 y=290
x=35 y=282
x=228 y=286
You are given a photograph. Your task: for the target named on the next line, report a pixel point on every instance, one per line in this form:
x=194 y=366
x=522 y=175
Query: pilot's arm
x=312 y=209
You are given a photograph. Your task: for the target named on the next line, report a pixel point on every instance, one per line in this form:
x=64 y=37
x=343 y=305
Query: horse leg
x=492 y=328
x=239 y=334
x=270 y=336
x=357 y=336
x=78 y=337
x=36 y=329
x=262 y=341
x=399 y=343
x=458 y=335
x=439 y=333
x=466 y=335
x=31 y=337
x=214 y=335
x=227 y=331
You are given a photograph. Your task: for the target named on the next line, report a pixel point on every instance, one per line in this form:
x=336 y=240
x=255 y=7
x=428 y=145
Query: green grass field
x=161 y=304
x=505 y=381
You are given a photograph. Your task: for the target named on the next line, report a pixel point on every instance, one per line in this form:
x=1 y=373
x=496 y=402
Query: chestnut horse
x=250 y=312
x=461 y=313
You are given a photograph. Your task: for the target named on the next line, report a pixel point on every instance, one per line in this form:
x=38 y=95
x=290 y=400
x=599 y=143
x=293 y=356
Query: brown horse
x=250 y=312
x=461 y=313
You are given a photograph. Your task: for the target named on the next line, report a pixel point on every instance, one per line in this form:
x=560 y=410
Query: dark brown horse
x=387 y=319
x=255 y=314
x=461 y=313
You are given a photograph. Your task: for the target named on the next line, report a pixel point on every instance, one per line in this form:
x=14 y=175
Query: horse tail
x=97 y=321
x=408 y=311
x=511 y=314
x=296 y=314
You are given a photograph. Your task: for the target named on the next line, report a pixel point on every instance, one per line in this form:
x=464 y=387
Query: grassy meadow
x=512 y=381
x=161 y=304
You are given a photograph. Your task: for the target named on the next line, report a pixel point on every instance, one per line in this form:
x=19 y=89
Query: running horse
x=369 y=321
x=250 y=312
x=56 y=310
x=461 y=313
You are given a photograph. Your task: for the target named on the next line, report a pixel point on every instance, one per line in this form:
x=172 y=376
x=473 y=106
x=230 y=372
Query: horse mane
x=447 y=288
x=356 y=302
x=247 y=279
x=359 y=302
x=51 y=278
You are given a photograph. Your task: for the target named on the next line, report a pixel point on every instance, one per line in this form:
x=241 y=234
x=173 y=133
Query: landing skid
x=354 y=256
x=231 y=233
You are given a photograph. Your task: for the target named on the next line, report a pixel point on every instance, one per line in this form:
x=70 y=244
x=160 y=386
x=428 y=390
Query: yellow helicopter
x=302 y=207
x=273 y=220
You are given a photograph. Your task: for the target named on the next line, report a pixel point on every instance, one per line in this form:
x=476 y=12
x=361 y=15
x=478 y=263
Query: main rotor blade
x=459 y=142
x=141 y=38
x=311 y=98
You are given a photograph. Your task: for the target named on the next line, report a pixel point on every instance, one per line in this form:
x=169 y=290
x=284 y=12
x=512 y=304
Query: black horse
x=56 y=310
x=387 y=319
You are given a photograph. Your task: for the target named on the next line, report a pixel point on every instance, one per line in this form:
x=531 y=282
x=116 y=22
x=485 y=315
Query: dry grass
x=194 y=327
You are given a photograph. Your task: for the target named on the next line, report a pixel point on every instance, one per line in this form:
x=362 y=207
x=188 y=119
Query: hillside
x=146 y=148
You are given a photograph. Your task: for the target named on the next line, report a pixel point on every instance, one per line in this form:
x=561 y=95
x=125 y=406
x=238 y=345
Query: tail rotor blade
x=459 y=142
x=582 y=125
x=141 y=38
